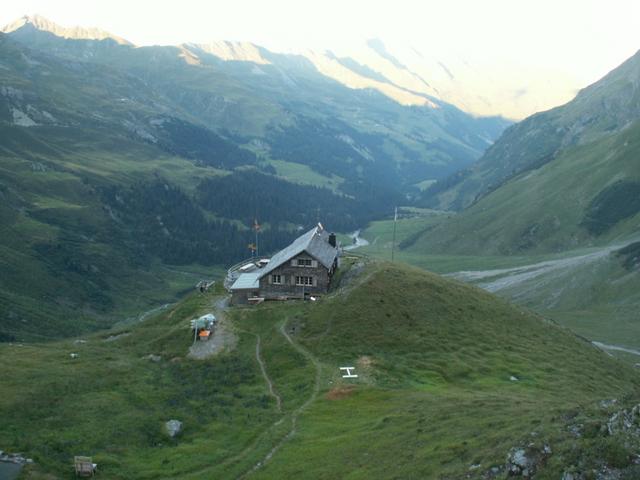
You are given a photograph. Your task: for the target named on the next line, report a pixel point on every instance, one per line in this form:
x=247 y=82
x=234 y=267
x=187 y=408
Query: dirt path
x=616 y=348
x=314 y=361
x=268 y=381
x=153 y=311
x=499 y=279
x=223 y=337
x=358 y=241
x=292 y=417
x=298 y=411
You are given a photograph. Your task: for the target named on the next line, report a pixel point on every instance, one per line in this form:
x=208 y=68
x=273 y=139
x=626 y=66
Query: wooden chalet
x=302 y=269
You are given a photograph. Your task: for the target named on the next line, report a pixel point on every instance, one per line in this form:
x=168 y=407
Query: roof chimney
x=332 y=240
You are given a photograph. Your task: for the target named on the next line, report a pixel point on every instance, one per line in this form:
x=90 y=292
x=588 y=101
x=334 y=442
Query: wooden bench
x=84 y=466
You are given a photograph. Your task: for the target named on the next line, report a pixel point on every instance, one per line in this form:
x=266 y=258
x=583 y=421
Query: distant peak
x=378 y=46
x=77 y=33
x=238 y=51
x=375 y=43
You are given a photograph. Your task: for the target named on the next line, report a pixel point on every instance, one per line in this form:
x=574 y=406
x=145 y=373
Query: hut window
x=302 y=280
x=276 y=279
x=304 y=262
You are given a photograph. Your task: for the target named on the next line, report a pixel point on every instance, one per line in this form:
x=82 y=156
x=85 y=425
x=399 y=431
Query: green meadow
x=434 y=394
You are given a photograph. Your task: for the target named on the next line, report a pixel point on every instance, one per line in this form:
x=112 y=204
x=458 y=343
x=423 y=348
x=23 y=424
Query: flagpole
x=393 y=243
x=256 y=228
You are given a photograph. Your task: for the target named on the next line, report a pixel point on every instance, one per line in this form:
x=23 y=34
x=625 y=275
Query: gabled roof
x=247 y=281
x=315 y=242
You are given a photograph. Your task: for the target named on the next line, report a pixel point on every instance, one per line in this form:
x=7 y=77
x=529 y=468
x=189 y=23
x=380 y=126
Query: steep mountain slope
x=602 y=109
x=265 y=99
x=101 y=184
x=408 y=75
x=510 y=90
x=119 y=164
x=413 y=77
x=564 y=178
x=450 y=380
x=586 y=197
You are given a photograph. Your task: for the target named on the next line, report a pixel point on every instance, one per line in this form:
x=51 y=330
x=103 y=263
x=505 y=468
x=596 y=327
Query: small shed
x=84 y=466
x=246 y=286
x=203 y=326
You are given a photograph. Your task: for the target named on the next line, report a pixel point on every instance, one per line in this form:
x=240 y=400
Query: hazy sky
x=583 y=37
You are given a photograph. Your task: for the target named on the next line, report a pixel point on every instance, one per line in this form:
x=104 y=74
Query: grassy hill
x=560 y=186
x=593 y=291
x=434 y=398
x=585 y=200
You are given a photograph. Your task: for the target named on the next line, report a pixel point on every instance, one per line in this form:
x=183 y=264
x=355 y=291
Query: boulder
x=174 y=427
x=518 y=462
x=605 y=404
x=608 y=473
x=627 y=421
x=576 y=429
x=525 y=461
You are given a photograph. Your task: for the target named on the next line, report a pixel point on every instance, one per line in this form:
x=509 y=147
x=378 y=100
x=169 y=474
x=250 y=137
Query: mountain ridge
x=41 y=23
x=473 y=87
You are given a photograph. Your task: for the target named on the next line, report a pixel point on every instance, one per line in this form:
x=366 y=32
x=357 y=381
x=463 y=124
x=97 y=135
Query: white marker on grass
x=349 y=373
